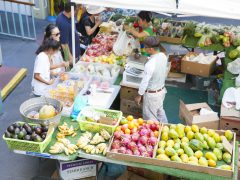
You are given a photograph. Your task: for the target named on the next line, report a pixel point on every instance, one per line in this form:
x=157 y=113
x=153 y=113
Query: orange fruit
x=140 y=121
x=156 y=133
x=119 y=128
x=130 y=125
x=130 y=117
x=127 y=131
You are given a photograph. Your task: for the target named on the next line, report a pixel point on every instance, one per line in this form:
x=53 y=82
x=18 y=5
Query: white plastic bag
x=230 y=97
x=234 y=67
x=120 y=47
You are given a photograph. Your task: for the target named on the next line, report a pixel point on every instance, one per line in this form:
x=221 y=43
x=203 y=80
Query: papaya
x=193 y=158
x=227 y=158
x=170 y=143
x=173 y=134
x=198 y=154
x=225 y=167
x=206 y=136
x=165 y=129
x=160 y=151
x=203 y=130
x=211 y=142
x=180 y=152
x=164 y=136
x=212 y=163
x=205 y=145
x=185 y=139
x=195 y=144
x=203 y=161
x=177 y=140
x=187 y=129
x=210 y=155
x=211 y=132
x=170 y=151
x=195 y=128
x=188 y=151
x=184 y=158
x=219 y=146
x=218 y=153
x=229 y=135
x=163 y=157
x=193 y=163
x=173 y=126
x=199 y=136
x=162 y=144
x=176 y=158
x=190 y=135
x=180 y=130
x=176 y=146
x=216 y=137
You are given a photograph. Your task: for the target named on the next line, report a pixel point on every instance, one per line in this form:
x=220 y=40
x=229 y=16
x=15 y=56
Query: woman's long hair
x=47 y=45
x=145 y=15
x=48 y=31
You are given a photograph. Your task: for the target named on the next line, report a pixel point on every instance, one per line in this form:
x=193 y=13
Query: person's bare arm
x=90 y=30
x=38 y=77
x=55 y=66
x=135 y=33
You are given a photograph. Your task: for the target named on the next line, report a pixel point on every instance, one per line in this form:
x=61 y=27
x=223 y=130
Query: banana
x=105 y=134
x=97 y=139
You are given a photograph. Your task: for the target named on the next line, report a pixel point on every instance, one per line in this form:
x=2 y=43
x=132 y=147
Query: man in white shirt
x=152 y=87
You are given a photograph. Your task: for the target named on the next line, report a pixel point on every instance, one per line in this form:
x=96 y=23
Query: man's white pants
x=153 y=106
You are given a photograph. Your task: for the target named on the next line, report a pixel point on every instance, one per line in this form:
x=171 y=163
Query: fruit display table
x=160 y=169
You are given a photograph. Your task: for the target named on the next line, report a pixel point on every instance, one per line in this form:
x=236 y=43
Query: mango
x=176 y=146
x=219 y=146
x=173 y=134
x=170 y=151
x=206 y=136
x=173 y=126
x=170 y=143
x=162 y=144
x=165 y=129
x=188 y=151
x=185 y=139
x=183 y=144
x=216 y=137
x=184 y=158
x=187 y=129
x=211 y=132
x=218 y=153
x=211 y=142
x=212 y=163
x=193 y=158
x=163 y=157
x=203 y=161
x=180 y=152
x=205 y=145
x=195 y=128
x=160 y=151
x=229 y=135
x=177 y=140
x=176 y=158
x=164 y=136
x=203 y=130
x=190 y=135
x=225 y=167
x=180 y=130
x=195 y=144
x=210 y=155
x=198 y=154
x=227 y=158
x=199 y=136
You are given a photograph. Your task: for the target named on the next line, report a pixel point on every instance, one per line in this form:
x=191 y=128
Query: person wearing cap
x=88 y=26
x=152 y=86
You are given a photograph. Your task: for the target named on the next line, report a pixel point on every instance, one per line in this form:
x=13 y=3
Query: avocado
x=16 y=125
x=21 y=134
x=24 y=131
x=15 y=136
x=17 y=130
x=7 y=134
x=38 y=139
x=26 y=125
x=29 y=130
x=27 y=137
x=38 y=130
x=11 y=129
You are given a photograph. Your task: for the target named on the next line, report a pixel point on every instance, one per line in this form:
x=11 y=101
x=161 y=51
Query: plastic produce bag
x=120 y=47
x=234 y=67
x=79 y=103
x=231 y=97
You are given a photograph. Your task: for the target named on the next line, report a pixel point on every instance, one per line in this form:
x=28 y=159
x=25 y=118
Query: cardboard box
x=130 y=107
x=230 y=123
x=77 y=169
x=229 y=112
x=150 y=175
x=128 y=175
x=128 y=93
x=195 y=68
x=190 y=114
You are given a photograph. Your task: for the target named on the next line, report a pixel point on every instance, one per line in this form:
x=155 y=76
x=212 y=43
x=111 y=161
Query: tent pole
x=73 y=35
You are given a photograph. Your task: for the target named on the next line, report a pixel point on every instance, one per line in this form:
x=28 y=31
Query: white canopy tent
x=211 y=8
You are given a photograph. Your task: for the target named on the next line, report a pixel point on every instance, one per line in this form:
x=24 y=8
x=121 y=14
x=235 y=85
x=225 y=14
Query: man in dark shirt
x=63 y=22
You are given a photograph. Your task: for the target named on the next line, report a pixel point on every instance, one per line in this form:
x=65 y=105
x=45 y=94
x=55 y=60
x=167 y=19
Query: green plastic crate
x=18 y=144
x=96 y=127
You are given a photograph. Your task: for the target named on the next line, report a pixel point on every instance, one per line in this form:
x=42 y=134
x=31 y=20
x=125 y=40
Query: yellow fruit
x=203 y=130
x=198 y=154
x=176 y=158
x=165 y=129
x=170 y=143
x=184 y=158
x=206 y=136
x=173 y=126
x=193 y=163
x=163 y=157
x=195 y=128
x=193 y=158
x=225 y=167
x=176 y=146
x=203 y=161
x=173 y=134
x=164 y=136
x=185 y=139
x=180 y=130
x=180 y=152
x=229 y=135
x=162 y=144
x=211 y=155
x=130 y=118
x=216 y=137
x=184 y=144
x=46 y=112
x=177 y=140
x=212 y=163
x=160 y=151
x=211 y=132
x=170 y=151
x=227 y=158
x=211 y=142
x=190 y=135
x=187 y=129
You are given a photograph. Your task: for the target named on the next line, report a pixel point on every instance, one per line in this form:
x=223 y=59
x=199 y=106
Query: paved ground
x=20 y=53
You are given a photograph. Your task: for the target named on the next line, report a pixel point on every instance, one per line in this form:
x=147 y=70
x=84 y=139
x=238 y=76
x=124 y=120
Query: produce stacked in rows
x=25 y=131
x=96 y=144
x=135 y=137
x=189 y=144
